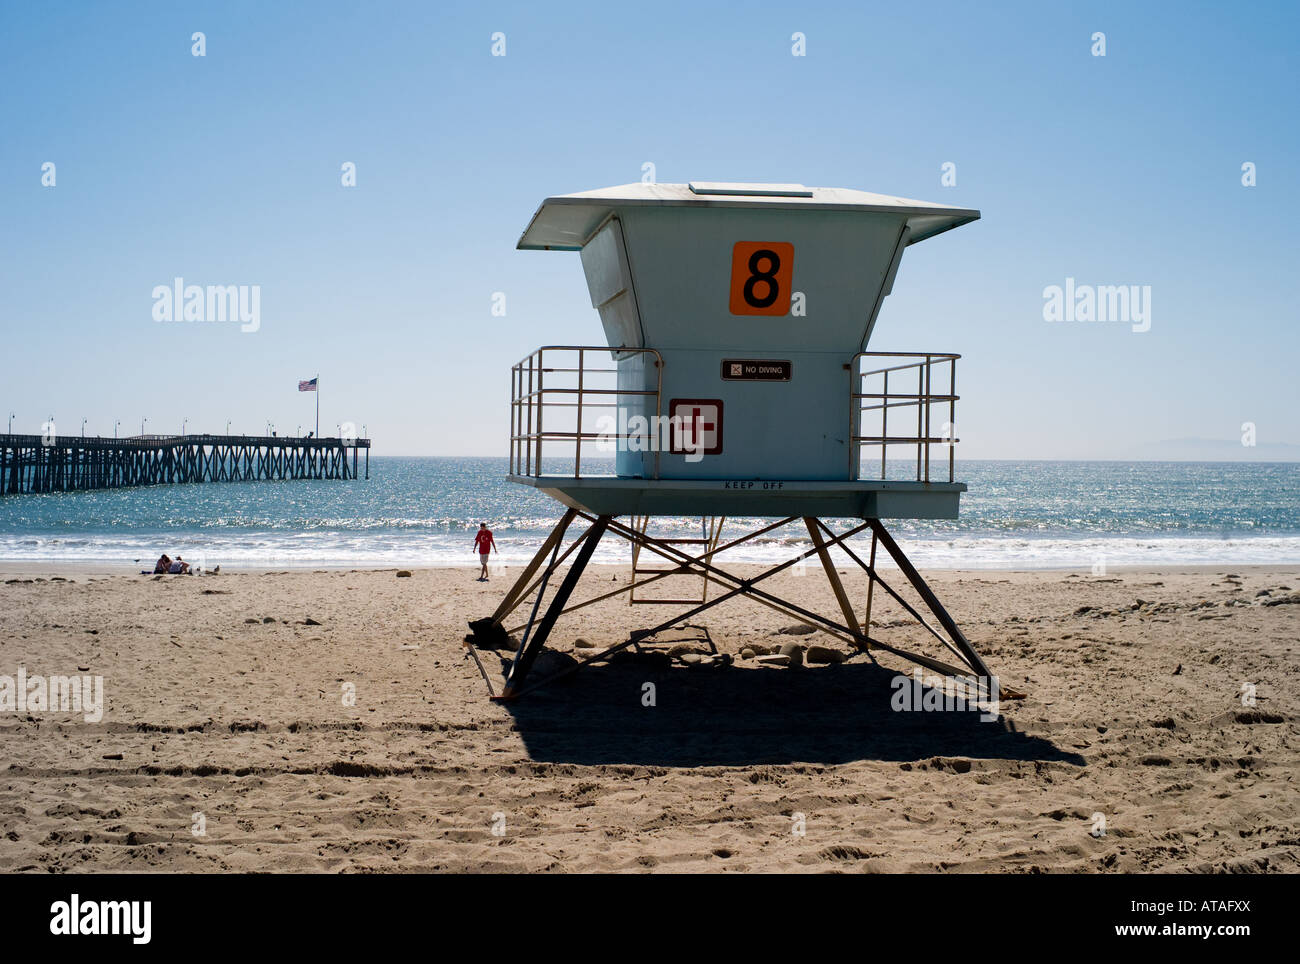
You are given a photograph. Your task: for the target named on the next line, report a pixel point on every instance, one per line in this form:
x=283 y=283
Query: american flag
x=307 y=386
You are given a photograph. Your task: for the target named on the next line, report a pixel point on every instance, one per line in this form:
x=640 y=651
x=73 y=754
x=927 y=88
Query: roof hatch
x=749 y=190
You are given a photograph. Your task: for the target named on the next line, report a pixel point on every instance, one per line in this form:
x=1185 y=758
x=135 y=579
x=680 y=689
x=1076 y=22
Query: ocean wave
x=969 y=552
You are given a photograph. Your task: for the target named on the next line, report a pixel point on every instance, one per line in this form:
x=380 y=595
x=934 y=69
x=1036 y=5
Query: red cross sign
x=696 y=426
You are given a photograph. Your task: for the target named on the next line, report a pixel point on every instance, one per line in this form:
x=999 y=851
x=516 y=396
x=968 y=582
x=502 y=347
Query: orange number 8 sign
x=760 y=277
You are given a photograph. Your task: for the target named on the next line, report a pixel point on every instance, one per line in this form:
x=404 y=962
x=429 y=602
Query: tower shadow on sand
x=741 y=716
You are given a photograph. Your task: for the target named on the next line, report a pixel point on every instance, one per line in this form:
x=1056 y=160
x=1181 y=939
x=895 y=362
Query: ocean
x=423 y=511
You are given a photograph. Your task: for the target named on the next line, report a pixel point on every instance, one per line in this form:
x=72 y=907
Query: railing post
x=528 y=457
x=952 y=416
x=577 y=448
x=517 y=442
x=541 y=407
x=928 y=360
x=659 y=387
x=884 y=424
x=920 y=394
x=855 y=412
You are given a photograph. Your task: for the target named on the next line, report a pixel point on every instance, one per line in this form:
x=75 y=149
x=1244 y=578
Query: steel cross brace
x=535 y=638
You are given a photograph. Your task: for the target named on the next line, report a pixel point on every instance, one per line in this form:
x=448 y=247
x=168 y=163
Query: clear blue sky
x=225 y=169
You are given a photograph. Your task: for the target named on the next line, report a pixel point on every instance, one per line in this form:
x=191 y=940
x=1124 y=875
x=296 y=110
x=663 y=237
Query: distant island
x=1216 y=450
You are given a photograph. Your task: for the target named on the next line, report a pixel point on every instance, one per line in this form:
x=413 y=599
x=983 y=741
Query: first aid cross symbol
x=698 y=426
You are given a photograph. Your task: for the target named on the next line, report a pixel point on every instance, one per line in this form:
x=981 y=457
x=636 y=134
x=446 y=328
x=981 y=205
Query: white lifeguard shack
x=735 y=382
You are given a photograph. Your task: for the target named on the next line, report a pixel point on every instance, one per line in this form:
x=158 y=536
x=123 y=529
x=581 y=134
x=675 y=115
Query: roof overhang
x=568 y=221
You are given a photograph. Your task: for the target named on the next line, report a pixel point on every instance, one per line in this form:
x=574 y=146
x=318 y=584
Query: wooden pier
x=36 y=463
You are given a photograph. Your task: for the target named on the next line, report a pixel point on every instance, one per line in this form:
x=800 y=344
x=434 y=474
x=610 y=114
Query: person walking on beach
x=485 y=545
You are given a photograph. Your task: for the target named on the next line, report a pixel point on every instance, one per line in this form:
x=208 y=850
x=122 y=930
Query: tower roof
x=568 y=221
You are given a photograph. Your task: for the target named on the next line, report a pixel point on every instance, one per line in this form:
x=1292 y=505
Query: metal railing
x=872 y=401
x=555 y=393
x=162 y=441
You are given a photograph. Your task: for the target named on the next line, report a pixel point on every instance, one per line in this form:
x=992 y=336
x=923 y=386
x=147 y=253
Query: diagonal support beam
x=931 y=600
x=874 y=577
x=528 y=654
x=832 y=575
x=519 y=589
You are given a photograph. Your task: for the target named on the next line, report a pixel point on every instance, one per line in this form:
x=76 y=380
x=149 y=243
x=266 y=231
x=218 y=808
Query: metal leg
x=846 y=607
x=528 y=653
x=931 y=600
x=488 y=632
x=518 y=590
x=871 y=584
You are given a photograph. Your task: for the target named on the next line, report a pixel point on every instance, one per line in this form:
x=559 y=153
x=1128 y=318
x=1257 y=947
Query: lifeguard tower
x=735 y=382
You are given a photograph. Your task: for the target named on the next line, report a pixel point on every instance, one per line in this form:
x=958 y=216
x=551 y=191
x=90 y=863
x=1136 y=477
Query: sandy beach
x=227 y=711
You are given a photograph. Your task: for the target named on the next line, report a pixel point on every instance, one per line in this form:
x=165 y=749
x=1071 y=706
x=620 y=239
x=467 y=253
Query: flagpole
x=318 y=406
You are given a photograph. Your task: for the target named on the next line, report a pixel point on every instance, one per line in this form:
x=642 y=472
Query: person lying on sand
x=179 y=568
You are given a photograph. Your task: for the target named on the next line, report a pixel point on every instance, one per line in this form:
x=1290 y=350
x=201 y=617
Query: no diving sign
x=755 y=370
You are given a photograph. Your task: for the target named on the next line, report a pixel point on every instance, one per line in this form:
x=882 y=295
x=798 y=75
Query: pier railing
x=908 y=402
x=558 y=395
x=65 y=463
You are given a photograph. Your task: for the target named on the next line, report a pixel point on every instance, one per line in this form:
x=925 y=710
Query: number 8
x=768 y=277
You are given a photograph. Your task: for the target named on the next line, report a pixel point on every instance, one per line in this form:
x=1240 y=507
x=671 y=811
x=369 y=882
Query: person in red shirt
x=485 y=545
